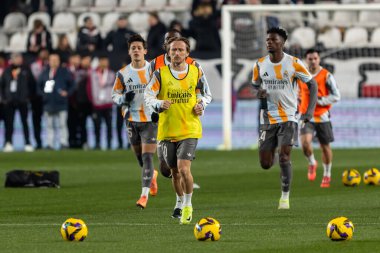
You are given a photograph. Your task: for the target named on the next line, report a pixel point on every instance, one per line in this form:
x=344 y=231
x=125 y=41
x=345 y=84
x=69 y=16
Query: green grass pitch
x=102 y=187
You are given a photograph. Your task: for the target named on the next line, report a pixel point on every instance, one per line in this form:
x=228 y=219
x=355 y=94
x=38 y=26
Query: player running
x=275 y=78
x=128 y=92
x=180 y=94
x=156 y=63
x=320 y=124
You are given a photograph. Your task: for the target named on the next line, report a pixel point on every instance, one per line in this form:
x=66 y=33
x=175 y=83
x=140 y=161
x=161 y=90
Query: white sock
x=187 y=199
x=311 y=159
x=285 y=195
x=327 y=170
x=179 y=201
x=145 y=192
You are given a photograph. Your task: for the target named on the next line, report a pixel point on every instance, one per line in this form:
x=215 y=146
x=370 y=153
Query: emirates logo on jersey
x=179 y=95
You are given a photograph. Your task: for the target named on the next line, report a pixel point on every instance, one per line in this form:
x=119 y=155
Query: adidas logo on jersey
x=266 y=74
x=130 y=80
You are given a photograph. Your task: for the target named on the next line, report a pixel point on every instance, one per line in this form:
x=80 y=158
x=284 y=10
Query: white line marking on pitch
x=169 y=224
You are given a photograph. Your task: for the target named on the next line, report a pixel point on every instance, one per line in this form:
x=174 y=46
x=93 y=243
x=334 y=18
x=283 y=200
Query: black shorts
x=323 y=131
x=142 y=132
x=172 y=151
x=281 y=134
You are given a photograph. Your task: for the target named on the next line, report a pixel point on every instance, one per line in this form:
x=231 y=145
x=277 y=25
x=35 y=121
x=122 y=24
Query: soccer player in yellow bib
x=156 y=63
x=180 y=95
x=275 y=77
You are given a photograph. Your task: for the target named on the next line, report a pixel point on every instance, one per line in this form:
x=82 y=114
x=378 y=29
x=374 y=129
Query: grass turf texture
x=102 y=187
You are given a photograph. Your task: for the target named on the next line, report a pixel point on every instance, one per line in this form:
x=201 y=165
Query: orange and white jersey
x=328 y=93
x=131 y=79
x=280 y=82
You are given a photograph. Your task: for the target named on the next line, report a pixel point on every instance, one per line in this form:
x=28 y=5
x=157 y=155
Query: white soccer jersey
x=280 y=82
x=127 y=79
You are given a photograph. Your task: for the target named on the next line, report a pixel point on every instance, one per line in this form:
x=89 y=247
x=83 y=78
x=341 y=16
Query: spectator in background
x=118 y=38
x=84 y=107
x=89 y=38
x=116 y=43
x=39 y=38
x=156 y=35
x=119 y=117
x=100 y=90
x=36 y=101
x=72 y=113
x=272 y=21
x=3 y=66
x=17 y=84
x=212 y=3
x=204 y=29
x=55 y=84
x=3 y=63
x=64 y=49
x=176 y=25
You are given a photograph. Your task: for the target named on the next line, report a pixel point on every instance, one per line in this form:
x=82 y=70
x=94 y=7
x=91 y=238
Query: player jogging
x=128 y=92
x=319 y=124
x=275 y=78
x=178 y=92
x=156 y=63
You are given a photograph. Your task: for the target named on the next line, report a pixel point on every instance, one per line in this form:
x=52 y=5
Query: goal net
x=348 y=37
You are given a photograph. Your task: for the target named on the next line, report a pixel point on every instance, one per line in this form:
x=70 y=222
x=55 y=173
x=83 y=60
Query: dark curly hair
x=280 y=31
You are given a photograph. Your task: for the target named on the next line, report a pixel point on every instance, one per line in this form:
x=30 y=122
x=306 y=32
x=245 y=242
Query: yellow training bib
x=179 y=122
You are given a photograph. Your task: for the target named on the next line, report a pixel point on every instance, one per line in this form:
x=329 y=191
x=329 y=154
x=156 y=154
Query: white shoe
x=196 y=186
x=284 y=204
x=28 y=148
x=8 y=147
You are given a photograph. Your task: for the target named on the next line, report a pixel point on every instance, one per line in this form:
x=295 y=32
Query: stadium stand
x=138 y=22
x=375 y=38
x=129 y=5
x=79 y=6
x=64 y=22
x=179 y=5
x=369 y=19
x=344 y=18
x=166 y=17
x=103 y=6
x=154 y=5
x=304 y=37
x=43 y=16
x=18 y=42
x=60 y=6
x=3 y=40
x=322 y=19
x=355 y=37
x=109 y=21
x=331 y=38
x=14 y=22
x=95 y=18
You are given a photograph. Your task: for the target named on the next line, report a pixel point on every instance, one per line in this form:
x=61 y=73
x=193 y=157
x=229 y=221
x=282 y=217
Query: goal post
x=292 y=17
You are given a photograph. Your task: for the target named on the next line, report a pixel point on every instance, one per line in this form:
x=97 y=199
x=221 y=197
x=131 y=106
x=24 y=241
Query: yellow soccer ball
x=74 y=230
x=351 y=177
x=340 y=229
x=207 y=229
x=372 y=177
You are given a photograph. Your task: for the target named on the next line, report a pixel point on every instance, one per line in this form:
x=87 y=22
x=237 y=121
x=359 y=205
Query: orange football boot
x=153 y=185
x=142 y=202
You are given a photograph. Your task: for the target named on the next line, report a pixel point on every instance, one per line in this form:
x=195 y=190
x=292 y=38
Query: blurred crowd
x=65 y=85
